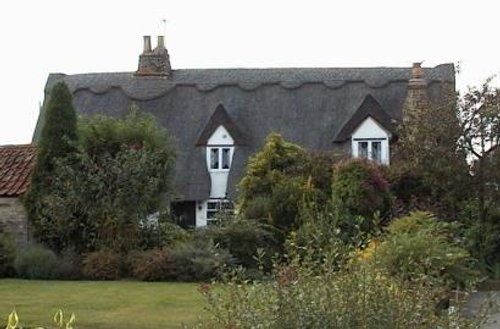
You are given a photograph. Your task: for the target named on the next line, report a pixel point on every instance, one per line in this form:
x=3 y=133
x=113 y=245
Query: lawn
x=102 y=305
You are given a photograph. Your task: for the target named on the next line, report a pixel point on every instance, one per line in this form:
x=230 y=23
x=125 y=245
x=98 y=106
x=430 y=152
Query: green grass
x=102 y=305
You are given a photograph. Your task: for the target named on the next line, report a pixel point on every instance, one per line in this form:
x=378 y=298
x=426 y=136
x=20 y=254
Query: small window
x=217 y=208
x=214 y=158
x=220 y=158
x=370 y=149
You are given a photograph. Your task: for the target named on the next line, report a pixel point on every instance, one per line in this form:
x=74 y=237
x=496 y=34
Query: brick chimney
x=416 y=100
x=154 y=62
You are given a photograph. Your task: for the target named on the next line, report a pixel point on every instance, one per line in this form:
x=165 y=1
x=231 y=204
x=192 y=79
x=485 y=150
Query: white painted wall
x=220 y=137
x=219 y=184
x=201 y=213
x=371 y=129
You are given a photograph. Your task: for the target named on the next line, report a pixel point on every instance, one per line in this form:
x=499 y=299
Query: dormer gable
x=220 y=119
x=369 y=108
x=220 y=137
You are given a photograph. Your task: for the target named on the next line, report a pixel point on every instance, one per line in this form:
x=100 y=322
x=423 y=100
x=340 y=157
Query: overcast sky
x=42 y=37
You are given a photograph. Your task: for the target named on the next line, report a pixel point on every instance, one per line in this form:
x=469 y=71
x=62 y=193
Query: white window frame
x=370 y=153
x=220 y=152
x=219 y=205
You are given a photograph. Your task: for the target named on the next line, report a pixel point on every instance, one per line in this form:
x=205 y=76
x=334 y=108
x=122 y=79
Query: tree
x=58 y=141
x=279 y=177
x=121 y=176
x=427 y=163
x=266 y=190
x=360 y=188
x=480 y=120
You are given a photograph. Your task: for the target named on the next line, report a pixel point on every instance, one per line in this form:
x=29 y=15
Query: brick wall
x=14 y=219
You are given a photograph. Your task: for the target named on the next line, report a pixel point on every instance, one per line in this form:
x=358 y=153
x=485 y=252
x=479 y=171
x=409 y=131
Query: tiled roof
x=16 y=164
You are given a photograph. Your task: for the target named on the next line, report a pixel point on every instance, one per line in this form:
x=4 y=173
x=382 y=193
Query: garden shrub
x=243 y=238
x=36 y=262
x=482 y=239
x=159 y=233
x=118 y=174
x=199 y=259
x=69 y=266
x=420 y=246
x=315 y=296
x=267 y=190
x=330 y=230
x=7 y=253
x=153 y=265
x=103 y=265
x=361 y=188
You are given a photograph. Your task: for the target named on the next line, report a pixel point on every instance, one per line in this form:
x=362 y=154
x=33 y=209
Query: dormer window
x=220 y=138
x=369 y=129
x=220 y=148
x=371 y=141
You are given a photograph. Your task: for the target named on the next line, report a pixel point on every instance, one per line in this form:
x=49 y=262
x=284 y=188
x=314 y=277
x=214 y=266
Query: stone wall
x=14 y=219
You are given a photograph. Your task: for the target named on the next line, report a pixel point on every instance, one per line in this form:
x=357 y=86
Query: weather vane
x=164 y=25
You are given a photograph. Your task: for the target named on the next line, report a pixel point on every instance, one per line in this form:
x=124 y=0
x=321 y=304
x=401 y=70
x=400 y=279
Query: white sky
x=40 y=37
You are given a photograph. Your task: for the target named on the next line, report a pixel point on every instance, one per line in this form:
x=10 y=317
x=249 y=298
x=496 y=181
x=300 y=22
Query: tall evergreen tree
x=58 y=141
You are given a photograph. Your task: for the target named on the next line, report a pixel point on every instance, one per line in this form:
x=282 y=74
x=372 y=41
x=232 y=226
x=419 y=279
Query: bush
x=419 y=246
x=153 y=265
x=103 y=265
x=314 y=296
x=160 y=233
x=268 y=190
x=482 y=237
x=243 y=238
x=69 y=266
x=36 y=262
x=360 y=188
x=7 y=254
x=332 y=231
x=199 y=260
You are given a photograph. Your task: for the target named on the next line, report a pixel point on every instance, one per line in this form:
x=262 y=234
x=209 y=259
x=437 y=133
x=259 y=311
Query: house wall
x=14 y=219
x=201 y=213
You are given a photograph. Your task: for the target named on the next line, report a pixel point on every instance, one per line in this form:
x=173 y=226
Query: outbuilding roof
x=16 y=165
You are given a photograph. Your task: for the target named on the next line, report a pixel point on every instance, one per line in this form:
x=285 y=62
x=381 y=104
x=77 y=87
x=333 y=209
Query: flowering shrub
x=360 y=188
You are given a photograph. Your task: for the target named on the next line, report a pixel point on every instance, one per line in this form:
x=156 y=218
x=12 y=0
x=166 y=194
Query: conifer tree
x=57 y=141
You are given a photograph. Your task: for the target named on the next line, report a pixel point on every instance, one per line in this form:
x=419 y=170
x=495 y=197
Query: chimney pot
x=161 y=41
x=416 y=71
x=147 y=44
